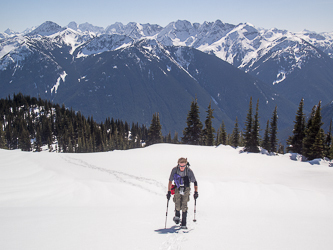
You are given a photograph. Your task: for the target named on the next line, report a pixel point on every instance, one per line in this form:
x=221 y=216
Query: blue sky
x=292 y=15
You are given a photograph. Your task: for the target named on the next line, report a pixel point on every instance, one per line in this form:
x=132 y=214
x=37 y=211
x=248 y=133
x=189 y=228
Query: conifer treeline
x=308 y=138
x=195 y=134
x=29 y=123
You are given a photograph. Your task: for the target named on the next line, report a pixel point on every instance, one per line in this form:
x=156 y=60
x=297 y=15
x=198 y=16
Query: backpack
x=180 y=181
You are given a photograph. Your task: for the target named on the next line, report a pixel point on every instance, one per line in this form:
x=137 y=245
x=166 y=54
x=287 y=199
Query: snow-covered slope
x=102 y=44
x=116 y=200
x=324 y=41
x=14 y=50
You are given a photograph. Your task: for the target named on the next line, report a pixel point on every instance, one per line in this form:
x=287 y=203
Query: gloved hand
x=168 y=195
x=196 y=195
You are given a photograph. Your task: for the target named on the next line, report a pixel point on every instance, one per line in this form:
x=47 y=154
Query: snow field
x=116 y=200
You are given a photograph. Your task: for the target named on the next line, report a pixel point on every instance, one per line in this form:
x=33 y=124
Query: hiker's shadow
x=170 y=230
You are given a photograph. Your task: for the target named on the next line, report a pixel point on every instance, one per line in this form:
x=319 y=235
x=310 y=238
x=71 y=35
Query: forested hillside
x=29 y=123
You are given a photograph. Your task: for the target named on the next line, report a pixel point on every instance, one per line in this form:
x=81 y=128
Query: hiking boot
x=176 y=219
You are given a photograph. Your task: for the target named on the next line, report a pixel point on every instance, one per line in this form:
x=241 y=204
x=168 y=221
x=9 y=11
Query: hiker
x=182 y=175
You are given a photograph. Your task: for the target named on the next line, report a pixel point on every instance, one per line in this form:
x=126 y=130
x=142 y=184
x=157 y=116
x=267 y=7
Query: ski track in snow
x=144 y=183
x=175 y=236
x=175 y=239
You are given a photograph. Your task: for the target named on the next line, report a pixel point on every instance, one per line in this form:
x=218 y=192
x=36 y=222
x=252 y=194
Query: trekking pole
x=195 y=209
x=166 y=214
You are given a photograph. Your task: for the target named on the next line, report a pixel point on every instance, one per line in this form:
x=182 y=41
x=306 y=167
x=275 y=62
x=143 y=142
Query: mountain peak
x=46 y=29
x=10 y=32
x=72 y=25
x=86 y=27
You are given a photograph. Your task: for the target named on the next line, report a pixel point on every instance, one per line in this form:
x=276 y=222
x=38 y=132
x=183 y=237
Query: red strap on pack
x=173 y=187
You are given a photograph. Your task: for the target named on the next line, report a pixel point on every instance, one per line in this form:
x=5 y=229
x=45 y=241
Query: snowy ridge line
x=121 y=176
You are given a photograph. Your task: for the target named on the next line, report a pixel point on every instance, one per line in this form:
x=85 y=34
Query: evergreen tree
x=38 y=140
x=127 y=129
x=154 y=131
x=24 y=140
x=281 y=149
x=192 y=134
x=80 y=145
x=248 y=129
x=318 y=145
x=9 y=135
x=273 y=131
x=251 y=141
x=330 y=156
x=314 y=135
x=235 y=135
x=306 y=141
x=168 y=138
x=221 y=137
x=14 y=138
x=2 y=137
x=328 y=142
x=223 y=134
x=266 y=141
x=90 y=144
x=255 y=130
x=217 y=141
x=295 y=142
x=208 y=132
x=134 y=130
x=241 y=139
x=46 y=133
x=70 y=146
x=175 y=139
x=138 y=137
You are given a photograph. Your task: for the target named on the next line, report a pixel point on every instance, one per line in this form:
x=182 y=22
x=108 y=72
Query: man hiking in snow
x=182 y=175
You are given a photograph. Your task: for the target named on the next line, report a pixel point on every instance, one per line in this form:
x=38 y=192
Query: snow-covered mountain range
x=242 y=45
x=291 y=65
